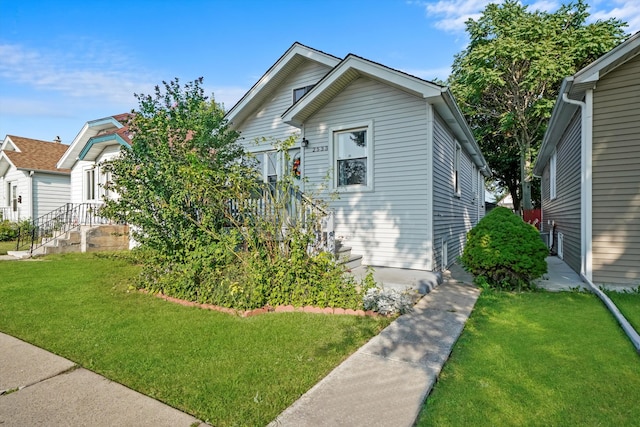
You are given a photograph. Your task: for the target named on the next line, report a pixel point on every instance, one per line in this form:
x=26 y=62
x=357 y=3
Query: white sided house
x=78 y=227
x=395 y=148
x=589 y=166
x=30 y=182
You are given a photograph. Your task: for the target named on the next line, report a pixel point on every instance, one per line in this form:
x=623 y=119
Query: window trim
x=305 y=90
x=553 y=165
x=86 y=185
x=333 y=155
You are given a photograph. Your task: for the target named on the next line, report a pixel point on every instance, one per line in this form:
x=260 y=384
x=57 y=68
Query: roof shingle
x=36 y=155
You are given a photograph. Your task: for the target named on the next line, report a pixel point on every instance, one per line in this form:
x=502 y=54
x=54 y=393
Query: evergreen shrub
x=504 y=252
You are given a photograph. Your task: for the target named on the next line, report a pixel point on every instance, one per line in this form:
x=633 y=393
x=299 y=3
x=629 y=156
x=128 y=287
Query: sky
x=63 y=63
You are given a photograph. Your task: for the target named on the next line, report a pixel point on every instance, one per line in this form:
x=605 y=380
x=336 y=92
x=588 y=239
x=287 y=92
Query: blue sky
x=63 y=63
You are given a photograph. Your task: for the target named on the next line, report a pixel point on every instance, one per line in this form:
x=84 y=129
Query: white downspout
x=31 y=192
x=586 y=165
x=430 y=256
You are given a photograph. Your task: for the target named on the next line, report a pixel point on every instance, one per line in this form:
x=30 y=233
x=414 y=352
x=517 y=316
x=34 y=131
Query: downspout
x=33 y=202
x=430 y=255
x=586 y=134
x=586 y=272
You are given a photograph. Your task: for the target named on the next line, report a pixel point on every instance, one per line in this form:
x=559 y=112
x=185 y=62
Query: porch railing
x=297 y=209
x=66 y=218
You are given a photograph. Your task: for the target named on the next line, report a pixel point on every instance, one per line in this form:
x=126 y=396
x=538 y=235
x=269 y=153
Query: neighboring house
x=394 y=147
x=31 y=184
x=98 y=141
x=588 y=162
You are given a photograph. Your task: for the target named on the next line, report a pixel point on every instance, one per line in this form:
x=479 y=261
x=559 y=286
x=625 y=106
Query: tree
x=175 y=181
x=507 y=79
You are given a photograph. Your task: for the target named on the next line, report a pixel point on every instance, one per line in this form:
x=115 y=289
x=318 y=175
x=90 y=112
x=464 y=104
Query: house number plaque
x=320 y=148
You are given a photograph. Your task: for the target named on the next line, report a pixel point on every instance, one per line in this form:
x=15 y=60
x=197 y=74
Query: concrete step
x=352 y=262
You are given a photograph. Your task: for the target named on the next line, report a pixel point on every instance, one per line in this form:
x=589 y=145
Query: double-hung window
x=352 y=157
x=90 y=184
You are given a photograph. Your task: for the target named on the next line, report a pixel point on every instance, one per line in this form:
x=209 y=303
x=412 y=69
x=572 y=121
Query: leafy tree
x=176 y=179
x=507 y=79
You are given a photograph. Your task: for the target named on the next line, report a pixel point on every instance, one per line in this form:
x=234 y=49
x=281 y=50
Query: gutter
x=624 y=323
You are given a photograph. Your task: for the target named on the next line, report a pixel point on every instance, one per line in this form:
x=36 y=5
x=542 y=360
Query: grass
x=223 y=369
x=629 y=305
x=7 y=246
x=539 y=359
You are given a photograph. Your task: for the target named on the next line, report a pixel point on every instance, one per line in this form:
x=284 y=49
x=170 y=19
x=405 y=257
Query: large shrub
x=504 y=252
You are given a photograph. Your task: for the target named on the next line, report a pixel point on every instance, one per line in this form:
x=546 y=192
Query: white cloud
x=625 y=10
x=451 y=15
x=83 y=75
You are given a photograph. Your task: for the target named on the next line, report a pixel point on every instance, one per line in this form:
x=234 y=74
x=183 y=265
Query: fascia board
x=560 y=117
x=449 y=110
x=298 y=112
x=262 y=84
x=8 y=141
x=5 y=164
x=88 y=131
x=609 y=61
x=100 y=140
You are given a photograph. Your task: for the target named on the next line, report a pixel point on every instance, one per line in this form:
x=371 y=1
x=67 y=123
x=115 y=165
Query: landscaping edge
x=266 y=309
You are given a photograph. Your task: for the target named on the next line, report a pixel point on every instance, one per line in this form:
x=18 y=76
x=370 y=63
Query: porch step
x=352 y=262
x=19 y=254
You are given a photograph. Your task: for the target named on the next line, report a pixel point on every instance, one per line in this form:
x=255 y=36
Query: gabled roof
x=354 y=67
x=574 y=87
x=94 y=136
x=31 y=154
x=296 y=55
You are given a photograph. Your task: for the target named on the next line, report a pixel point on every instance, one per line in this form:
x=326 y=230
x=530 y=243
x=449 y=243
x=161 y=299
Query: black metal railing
x=66 y=218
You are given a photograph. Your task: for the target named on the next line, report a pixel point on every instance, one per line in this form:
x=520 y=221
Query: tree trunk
x=525 y=182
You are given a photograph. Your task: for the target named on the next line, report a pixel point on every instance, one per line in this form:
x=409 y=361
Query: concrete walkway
x=38 y=388
x=387 y=380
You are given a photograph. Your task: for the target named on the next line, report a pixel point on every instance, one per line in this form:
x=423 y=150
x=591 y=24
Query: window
x=90 y=184
x=352 y=158
x=456 y=170
x=552 y=176
x=300 y=92
x=14 y=197
x=474 y=182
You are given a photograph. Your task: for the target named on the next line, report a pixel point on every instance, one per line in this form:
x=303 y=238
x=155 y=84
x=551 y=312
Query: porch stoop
x=345 y=258
x=87 y=239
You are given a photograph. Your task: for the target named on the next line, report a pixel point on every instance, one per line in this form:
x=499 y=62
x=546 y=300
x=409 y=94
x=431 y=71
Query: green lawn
x=7 y=246
x=539 y=359
x=223 y=369
x=629 y=305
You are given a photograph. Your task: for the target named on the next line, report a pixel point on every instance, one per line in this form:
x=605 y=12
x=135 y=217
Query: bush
x=9 y=229
x=504 y=252
x=388 y=301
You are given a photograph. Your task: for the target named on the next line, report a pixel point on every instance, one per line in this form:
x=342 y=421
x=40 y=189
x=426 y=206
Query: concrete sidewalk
x=387 y=380
x=38 y=388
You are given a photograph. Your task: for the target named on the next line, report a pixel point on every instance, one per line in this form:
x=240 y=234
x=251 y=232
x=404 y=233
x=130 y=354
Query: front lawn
x=7 y=246
x=223 y=369
x=539 y=359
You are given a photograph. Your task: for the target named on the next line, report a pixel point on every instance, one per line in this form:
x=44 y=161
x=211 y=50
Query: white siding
x=453 y=215
x=49 y=192
x=77 y=180
x=266 y=122
x=388 y=225
x=22 y=180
